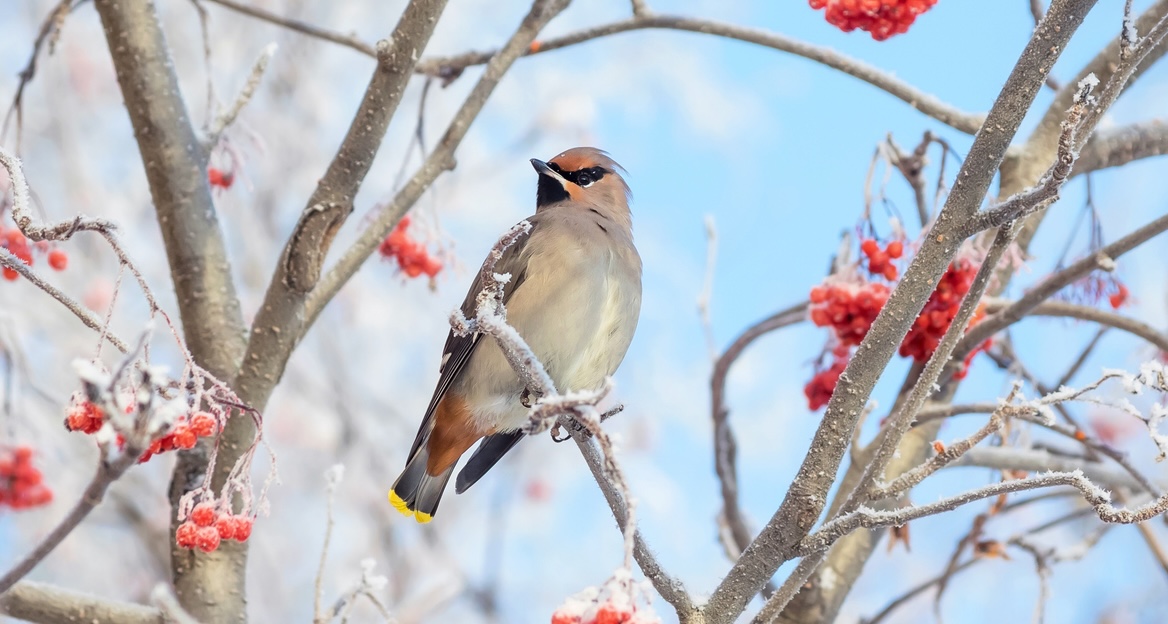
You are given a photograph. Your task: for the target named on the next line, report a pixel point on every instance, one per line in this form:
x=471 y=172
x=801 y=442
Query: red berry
x=203 y=424
x=184 y=438
x=1119 y=297
x=226 y=527
x=242 y=528
x=870 y=247
x=58 y=260
x=184 y=536
x=204 y=514
x=207 y=538
x=895 y=249
x=565 y=618
x=10 y=274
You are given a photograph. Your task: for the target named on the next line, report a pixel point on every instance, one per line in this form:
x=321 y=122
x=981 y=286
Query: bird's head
x=585 y=176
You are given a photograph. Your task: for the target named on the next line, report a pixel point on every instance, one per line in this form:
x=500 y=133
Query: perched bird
x=574 y=296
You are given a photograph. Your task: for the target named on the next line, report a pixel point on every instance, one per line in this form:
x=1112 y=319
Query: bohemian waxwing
x=574 y=296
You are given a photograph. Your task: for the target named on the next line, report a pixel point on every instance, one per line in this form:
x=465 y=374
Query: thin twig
x=349 y=41
x=9 y=260
x=1098 y=499
x=225 y=119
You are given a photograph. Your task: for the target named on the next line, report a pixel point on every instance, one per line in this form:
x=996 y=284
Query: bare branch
x=22 y=213
x=107 y=473
x=1046 y=192
x=48 y=604
x=779 y=600
x=951 y=453
x=91 y=320
x=349 y=41
x=1099 y=500
x=725 y=447
x=228 y=116
x=1116 y=147
x=449 y=67
x=1063 y=309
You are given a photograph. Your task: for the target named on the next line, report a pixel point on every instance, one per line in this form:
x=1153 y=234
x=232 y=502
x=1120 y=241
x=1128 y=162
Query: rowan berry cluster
x=880 y=18
x=16 y=242
x=939 y=311
x=184 y=435
x=208 y=525
x=411 y=255
x=21 y=484
x=82 y=415
x=849 y=305
x=880 y=260
x=848 y=308
x=818 y=390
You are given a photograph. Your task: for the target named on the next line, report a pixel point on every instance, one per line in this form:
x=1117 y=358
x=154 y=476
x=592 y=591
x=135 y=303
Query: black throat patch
x=549 y=192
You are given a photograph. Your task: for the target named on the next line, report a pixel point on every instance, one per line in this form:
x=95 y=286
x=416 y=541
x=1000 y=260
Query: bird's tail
x=416 y=492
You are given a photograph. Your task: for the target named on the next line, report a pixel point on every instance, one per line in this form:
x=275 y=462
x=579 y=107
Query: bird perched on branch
x=574 y=296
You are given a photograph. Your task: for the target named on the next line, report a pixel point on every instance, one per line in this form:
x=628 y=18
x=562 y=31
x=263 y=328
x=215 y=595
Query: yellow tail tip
x=404 y=508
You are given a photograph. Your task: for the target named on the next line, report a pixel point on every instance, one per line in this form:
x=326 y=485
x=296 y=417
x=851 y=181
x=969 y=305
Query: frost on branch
x=615 y=602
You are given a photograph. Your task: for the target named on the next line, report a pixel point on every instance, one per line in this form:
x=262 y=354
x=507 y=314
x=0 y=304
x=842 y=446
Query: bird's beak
x=543 y=169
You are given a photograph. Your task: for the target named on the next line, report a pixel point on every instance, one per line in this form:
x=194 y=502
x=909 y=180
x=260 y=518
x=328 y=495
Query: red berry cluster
x=16 y=242
x=207 y=527
x=86 y=417
x=818 y=390
x=21 y=484
x=880 y=260
x=184 y=435
x=880 y=18
x=848 y=308
x=220 y=178
x=411 y=255
x=939 y=311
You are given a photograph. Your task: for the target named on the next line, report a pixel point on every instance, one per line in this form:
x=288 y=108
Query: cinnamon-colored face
x=582 y=174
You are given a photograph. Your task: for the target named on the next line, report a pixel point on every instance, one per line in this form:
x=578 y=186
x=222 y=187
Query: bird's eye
x=584 y=179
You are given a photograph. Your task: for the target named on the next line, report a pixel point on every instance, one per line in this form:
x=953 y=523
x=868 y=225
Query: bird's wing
x=459 y=348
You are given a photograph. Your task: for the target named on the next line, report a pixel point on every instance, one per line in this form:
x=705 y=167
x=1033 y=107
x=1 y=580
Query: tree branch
x=725 y=447
x=47 y=604
x=1063 y=309
x=280 y=321
x=349 y=41
x=1099 y=500
x=1117 y=147
x=449 y=67
x=106 y=474
x=210 y=586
